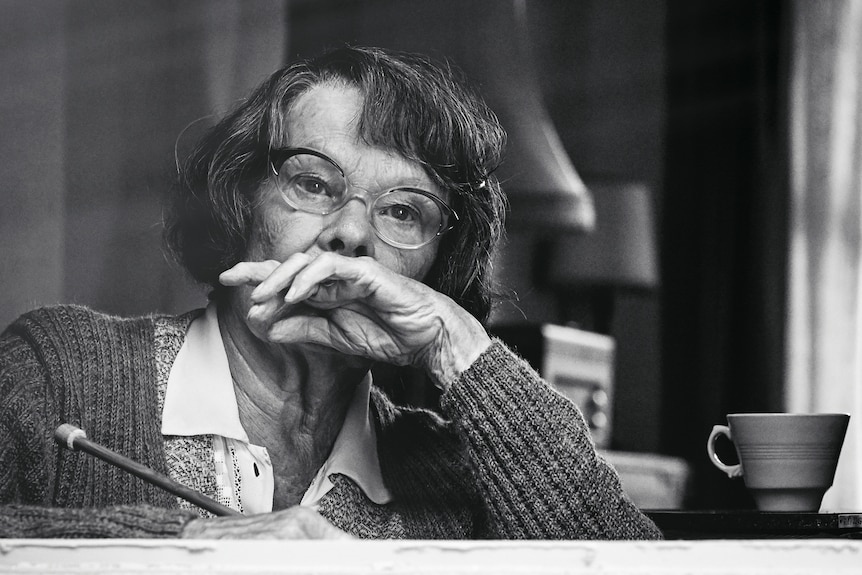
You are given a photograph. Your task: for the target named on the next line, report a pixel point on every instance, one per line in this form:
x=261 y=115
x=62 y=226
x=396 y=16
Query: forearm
x=533 y=457
x=126 y=521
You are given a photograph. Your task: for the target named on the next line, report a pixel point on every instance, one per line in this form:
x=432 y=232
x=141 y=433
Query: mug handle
x=731 y=470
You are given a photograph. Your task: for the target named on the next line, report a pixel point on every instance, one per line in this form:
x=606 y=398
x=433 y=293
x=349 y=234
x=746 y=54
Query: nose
x=348 y=231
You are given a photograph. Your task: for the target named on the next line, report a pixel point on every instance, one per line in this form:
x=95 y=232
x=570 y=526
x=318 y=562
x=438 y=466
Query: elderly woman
x=344 y=216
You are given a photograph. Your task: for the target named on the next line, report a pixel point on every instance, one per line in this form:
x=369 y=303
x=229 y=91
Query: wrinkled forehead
x=321 y=110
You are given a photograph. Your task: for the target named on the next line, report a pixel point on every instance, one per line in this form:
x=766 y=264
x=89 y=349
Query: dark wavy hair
x=424 y=111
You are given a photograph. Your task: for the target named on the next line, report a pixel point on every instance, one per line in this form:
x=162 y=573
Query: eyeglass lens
x=403 y=216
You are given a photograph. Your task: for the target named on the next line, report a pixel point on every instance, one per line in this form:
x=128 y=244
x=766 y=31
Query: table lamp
x=618 y=254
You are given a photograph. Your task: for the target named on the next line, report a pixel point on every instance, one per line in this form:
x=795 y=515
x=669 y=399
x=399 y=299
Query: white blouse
x=200 y=400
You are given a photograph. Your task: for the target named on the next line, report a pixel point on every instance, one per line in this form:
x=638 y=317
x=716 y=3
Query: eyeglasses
x=405 y=218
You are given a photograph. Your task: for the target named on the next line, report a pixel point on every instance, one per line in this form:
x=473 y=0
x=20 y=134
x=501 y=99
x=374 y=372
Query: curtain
x=824 y=348
x=723 y=233
x=94 y=96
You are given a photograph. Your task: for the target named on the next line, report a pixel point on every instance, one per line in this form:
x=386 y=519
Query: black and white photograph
x=431 y=286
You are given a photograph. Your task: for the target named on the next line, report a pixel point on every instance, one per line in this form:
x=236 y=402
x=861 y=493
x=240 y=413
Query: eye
x=401 y=212
x=310 y=185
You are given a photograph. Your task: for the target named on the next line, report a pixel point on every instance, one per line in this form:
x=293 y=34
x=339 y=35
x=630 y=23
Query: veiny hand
x=293 y=523
x=359 y=307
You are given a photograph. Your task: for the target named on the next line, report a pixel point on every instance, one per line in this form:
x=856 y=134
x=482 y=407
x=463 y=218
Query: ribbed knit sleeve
x=533 y=458
x=129 y=521
x=70 y=365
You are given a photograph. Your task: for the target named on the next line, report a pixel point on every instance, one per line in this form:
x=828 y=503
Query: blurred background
x=684 y=178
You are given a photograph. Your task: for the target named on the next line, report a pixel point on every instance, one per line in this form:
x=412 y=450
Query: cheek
x=278 y=237
x=414 y=264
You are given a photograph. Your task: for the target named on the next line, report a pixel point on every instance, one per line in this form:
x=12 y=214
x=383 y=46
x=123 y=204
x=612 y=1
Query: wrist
x=456 y=351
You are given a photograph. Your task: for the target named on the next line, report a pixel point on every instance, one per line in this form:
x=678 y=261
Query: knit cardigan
x=508 y=457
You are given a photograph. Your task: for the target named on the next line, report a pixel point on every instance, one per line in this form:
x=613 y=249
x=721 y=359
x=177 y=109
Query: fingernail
x=258 y=295
x=254 y=312
x=291 y=293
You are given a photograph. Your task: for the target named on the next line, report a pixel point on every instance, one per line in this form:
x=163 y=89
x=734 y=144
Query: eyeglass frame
x=284 y=154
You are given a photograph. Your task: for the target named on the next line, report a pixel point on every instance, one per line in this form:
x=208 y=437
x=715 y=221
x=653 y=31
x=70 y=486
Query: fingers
x=306 y=283
x=280 y=277
x=301 y=275
x=248 y=273
x=335 y=286
x=264 y=314
x=304 y=277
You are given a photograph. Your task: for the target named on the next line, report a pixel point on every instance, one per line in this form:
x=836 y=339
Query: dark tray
x=745 y=524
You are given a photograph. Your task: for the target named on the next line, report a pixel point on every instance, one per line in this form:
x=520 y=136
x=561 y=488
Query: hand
x=359 y=307
x=293 y=523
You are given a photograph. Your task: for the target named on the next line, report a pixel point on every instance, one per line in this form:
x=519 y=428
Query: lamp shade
x=490 y=41
x=621 y=249
x=546 y=194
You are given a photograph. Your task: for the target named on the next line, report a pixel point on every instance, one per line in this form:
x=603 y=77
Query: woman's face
x=325 y=119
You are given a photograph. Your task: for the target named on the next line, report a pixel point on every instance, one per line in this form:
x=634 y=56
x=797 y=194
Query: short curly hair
x=425 y=111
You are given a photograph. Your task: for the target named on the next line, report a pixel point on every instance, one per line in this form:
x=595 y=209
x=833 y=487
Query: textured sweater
x=508 y=457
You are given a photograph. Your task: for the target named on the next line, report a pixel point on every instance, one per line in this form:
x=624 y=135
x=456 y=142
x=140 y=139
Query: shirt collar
x=354 y=453
x=200 y=400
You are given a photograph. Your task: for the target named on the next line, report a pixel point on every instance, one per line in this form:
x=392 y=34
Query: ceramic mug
x=787 y=460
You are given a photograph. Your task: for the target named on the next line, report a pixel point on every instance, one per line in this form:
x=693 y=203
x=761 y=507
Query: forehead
x=326 y=118
x=323 y=112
